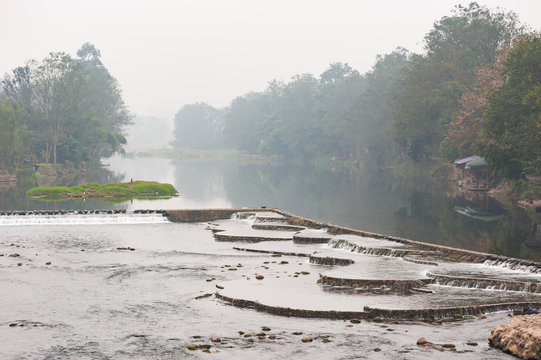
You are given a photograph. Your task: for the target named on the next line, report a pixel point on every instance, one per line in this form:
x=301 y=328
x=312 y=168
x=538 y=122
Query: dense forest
x=475 y=89
x=62 y=109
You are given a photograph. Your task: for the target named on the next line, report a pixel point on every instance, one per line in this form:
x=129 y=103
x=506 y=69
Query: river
x=133 y=286
x=413 y=209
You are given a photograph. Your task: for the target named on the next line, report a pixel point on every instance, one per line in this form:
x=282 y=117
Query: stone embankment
x=521 y=336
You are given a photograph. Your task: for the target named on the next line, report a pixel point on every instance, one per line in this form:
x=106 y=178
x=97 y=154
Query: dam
x=117 y=284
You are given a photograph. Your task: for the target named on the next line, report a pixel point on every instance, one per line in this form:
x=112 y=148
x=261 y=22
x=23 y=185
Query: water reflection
x=372 y=202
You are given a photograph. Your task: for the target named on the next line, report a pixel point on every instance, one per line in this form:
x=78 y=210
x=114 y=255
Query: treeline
x=62 y=109
x=476 y=89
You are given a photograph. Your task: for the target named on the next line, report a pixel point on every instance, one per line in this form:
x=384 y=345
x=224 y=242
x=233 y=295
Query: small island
x=114 y=191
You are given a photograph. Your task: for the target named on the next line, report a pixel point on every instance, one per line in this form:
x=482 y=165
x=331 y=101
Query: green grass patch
x=115 y=191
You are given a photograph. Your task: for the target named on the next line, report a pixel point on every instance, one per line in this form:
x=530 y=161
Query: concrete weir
x=357 y=274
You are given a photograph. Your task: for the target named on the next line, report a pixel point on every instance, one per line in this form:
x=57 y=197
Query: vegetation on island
x=475 y=90
x=115 y=191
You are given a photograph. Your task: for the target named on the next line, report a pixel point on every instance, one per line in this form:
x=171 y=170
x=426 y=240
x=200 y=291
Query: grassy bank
x=137 y=189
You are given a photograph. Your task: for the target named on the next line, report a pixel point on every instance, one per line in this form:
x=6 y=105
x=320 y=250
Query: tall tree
x=72 y=105
x=14 y=135
x=512 y=121
x=465 y=131
x=455 y=47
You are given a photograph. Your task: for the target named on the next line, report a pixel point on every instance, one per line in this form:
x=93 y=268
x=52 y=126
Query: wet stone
x=355 y=321
x=306 y=339
x=216 y=339
x=203 y=296
x=297 y=333
x=192 y=347
x=265 y=328
x=472 y=343
x=377 y=349
x=259 y=277
x=424 y=342
x=448 y=346
x=272 y=337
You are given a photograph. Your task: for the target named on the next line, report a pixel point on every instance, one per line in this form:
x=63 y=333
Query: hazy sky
x=166 y=54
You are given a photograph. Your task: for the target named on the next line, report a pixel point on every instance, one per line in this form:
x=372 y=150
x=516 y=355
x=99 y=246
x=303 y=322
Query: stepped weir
x=393 y=278
x=306 y=268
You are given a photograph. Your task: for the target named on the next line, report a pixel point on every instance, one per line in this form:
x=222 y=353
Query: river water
x=130 y=286
x=379 y=203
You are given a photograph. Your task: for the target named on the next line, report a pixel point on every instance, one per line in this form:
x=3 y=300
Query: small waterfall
x=351 y=247
x=76 y=218
x=515 y=264
x=489 y=284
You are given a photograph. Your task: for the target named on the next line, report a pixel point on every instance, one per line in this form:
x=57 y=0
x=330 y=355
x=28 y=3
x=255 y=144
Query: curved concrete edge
x=289 y=312
x=327 y=260
x=372 y=283
x=273 y=252
x=419 y=261
x=274 y=226
x=310 y=240
x=219 y=236
x=447 y=312
x=485 y=283
x=383 y=314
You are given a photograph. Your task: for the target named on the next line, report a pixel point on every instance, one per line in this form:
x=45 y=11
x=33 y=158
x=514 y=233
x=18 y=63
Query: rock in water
x=521 y=336
x=424 y=342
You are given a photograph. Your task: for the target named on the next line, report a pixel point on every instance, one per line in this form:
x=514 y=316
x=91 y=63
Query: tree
x=434 y=82
x=198 y=126
x=13 y=135
x=465 y=131
x=72 y=105
x=512 y=121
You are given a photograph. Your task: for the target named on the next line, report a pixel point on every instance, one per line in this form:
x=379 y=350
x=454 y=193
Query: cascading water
x=82 y=219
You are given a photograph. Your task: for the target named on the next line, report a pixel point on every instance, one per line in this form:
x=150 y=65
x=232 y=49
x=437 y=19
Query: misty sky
x=166 y=54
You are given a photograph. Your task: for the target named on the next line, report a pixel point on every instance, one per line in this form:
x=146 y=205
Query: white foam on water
x=82 y=219
x=512 y=265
